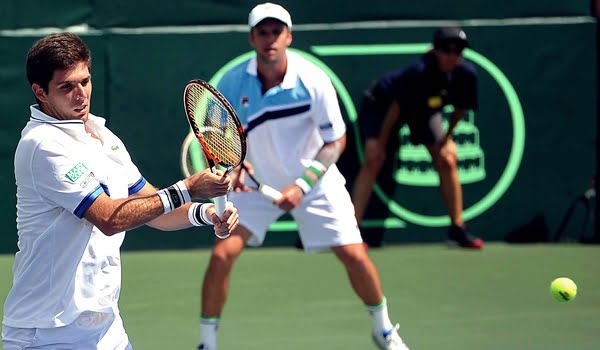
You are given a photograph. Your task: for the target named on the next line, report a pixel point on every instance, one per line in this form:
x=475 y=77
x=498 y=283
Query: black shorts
x=371 y=115
x=424 y=128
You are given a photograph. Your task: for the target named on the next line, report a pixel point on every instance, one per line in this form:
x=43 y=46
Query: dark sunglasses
x=451 y=49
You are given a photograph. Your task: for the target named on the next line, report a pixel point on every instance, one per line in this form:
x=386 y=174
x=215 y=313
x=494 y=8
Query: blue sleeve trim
x=136 y=187
x=87 y=201
x=105 y=188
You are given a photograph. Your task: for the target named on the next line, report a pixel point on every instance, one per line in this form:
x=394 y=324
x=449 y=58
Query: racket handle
x=270 y=192
x=220 y=205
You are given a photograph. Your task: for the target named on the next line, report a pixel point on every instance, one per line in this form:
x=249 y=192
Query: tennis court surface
x=446 y=299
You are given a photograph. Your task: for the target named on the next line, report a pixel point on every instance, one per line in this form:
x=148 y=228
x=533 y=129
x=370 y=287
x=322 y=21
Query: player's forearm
x=331 y=152
x=114 y=216
x=133 y=212
x=175 y=220
x=327 y=156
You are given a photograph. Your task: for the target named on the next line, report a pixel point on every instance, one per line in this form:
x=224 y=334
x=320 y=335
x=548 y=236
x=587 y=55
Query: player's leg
x=361 y=271
x=215 y=286
x=216 y=278
x=326 y=221
x=258 y=213
x=365 y=281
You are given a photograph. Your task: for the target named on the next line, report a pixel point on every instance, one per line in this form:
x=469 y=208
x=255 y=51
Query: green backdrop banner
x=529 y=149
x=103 y=14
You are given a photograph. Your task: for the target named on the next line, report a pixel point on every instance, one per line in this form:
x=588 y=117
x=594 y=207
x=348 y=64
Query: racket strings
x=215 y=126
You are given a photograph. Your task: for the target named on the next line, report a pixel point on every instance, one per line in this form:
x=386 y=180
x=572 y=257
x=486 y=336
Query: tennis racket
x=265 y=190
x=192 y=160
x=217 y=129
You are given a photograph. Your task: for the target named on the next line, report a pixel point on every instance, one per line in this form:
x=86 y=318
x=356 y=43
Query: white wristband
x=204 y=214
x=174 y=196
x=184 y=191
x=303 y=185
x=197 y=214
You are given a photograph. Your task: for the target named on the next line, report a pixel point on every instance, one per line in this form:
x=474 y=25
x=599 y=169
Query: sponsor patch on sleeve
x=325 y=126
x=76 y=172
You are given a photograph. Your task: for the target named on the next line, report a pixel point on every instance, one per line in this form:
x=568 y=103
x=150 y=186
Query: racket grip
x=220 y=205
x=270 y=192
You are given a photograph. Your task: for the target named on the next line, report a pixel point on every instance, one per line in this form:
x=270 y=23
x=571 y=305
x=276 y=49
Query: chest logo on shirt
x=76 y=172
x=434 y=102
x=245 y=100
x=114 y=148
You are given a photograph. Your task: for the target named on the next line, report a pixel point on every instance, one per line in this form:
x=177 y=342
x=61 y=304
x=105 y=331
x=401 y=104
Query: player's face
x=448 y=57
x=270 y=38
x=69 y=94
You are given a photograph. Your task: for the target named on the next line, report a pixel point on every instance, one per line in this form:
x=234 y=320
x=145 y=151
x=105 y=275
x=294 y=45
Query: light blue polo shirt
x=288 y=124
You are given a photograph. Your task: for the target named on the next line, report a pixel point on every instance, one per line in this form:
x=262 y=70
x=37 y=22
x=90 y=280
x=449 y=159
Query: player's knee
x=224 y=257
x=353 y=258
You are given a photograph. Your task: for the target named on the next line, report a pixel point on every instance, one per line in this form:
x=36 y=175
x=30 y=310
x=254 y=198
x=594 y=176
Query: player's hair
x=59 y=51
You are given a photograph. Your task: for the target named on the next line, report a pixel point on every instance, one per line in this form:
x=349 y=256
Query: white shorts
x=325 y=218
x=91 y=330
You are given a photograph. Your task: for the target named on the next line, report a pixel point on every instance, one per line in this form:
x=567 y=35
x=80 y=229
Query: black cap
x=450 y=35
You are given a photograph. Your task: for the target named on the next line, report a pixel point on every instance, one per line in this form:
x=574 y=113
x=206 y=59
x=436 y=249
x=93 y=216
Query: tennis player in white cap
x=296 y=134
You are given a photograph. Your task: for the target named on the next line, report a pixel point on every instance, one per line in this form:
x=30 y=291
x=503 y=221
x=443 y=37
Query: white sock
x=208 y=332
x=379 y=314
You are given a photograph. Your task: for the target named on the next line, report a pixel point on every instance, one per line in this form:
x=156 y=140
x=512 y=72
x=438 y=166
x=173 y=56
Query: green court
x=446 y=299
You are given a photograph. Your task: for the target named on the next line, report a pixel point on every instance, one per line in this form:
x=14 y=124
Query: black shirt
x=422 y=89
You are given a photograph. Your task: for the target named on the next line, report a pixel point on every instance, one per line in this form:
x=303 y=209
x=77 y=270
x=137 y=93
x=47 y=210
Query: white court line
x=85 y=29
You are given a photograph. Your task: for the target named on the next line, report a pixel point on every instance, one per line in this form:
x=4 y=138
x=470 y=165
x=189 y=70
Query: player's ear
x=251 y=37
x=39 y=92
x=289 y=38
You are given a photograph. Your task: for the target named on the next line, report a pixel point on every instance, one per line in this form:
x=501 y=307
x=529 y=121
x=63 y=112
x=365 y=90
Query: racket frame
x=211 y=158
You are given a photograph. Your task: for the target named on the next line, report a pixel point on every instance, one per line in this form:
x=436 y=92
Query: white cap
x=269 y=10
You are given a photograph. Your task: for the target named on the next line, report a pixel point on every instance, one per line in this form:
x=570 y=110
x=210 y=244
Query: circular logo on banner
x=414 y=168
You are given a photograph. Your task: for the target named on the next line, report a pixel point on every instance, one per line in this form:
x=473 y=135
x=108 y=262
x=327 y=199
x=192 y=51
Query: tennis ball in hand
x=563 y=289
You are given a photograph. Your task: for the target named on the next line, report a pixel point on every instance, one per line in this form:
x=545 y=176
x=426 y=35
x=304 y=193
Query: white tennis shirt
x=65 y=265
x=288 y=124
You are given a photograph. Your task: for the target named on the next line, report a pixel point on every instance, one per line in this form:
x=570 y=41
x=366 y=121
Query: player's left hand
x=224 y=225
x=291 y=197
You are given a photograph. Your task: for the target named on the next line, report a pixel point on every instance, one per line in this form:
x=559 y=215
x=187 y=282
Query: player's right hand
x=291 y=197
x=204 y=184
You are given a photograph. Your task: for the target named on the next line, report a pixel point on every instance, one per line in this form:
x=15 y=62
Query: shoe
x=389 y=340
x=203 y=346
x=459 y=236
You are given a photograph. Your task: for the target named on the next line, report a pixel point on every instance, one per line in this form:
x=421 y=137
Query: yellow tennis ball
x=563 y=289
